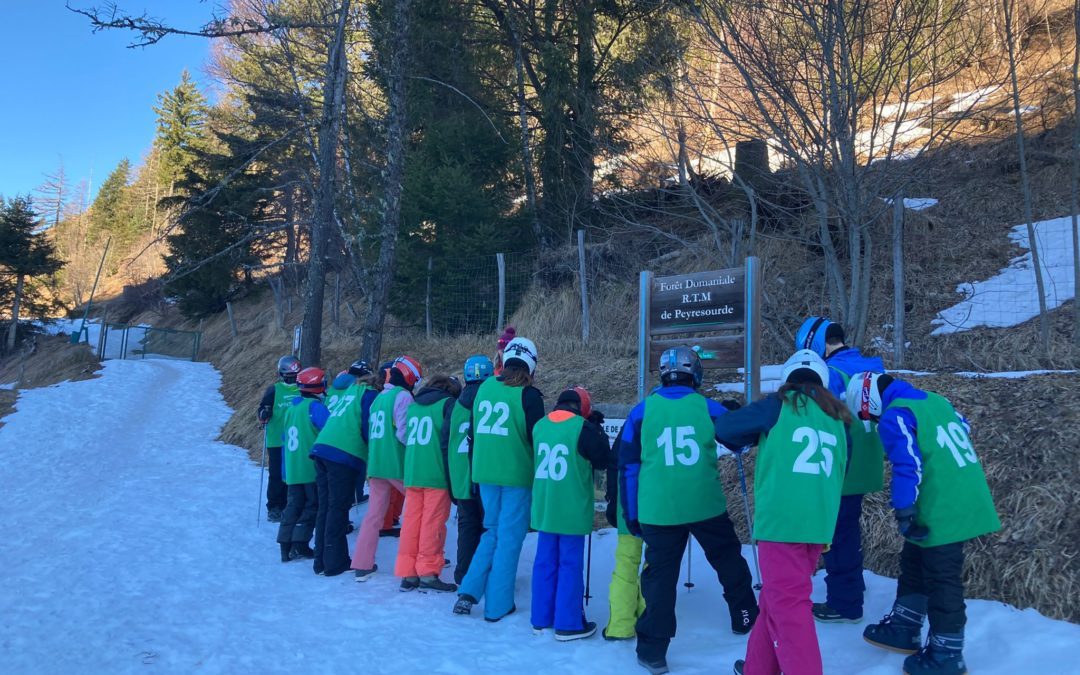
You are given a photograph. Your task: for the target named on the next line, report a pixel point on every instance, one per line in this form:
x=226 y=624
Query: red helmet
x=581 y=396
x=409 y=368
x=312 y=380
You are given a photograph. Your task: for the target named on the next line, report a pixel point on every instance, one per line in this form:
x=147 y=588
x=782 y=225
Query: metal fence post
x=584 y=289
x=501 y=262
x=898 y=280
x=427 y=300
x=753 y=329
x=644 y=290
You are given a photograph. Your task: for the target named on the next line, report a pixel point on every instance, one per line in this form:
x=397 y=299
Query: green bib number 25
x=814 y=439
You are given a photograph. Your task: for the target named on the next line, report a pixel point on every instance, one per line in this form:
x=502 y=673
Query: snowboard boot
x=435 y=584
x=409 y=584
x=301 y=551
x=464 y=604
x=658 y=667
x=365 y=575
x=286 y=550
x=738 y=667
x=273 y=515
x=825 y=614
x=901 y=630
x=587 y=631
x=943 y=655
x=742 y=620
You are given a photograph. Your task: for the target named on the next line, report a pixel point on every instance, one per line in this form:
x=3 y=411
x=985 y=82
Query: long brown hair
x=443 y=383
x=829 y=404
x=514 y=375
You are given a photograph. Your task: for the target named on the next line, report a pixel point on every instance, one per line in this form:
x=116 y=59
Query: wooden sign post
x=718 y=314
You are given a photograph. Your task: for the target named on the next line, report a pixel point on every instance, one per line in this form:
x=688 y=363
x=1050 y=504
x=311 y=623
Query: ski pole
x=262 y=468
x=749 y=522
x=689 y=563
x=588 y=572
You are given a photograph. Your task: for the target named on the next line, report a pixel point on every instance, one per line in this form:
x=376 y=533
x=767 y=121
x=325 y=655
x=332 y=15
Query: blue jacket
x=630 y=446
x=849 y=360
x=339 y=456
x=743 y=427
x=897 y=429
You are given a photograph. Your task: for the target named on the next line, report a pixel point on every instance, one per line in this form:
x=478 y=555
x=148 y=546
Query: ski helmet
x=409 y=368
x=806 y=360
x=811 y=334
x=288 y=367
x=681 y=360
x=312 y=380
x=580 y=396
x=359 y=368
x=478 y=368
x=863 y=395
x=521 y=349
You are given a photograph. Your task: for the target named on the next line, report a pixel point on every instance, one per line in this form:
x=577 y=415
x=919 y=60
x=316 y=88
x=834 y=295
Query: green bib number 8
x=294 y=439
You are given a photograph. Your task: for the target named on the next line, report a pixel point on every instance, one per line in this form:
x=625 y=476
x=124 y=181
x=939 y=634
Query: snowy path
x=134 y=548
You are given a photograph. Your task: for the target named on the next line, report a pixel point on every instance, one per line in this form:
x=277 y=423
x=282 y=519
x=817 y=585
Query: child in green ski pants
x=625 y=603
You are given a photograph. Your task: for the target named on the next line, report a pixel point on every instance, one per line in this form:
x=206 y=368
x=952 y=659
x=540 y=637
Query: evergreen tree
x=182 y=117
x=111 y=211
x=25 y=253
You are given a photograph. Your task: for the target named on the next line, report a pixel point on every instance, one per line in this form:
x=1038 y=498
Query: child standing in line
x=427 y=493
x=303 y=420
x=387 y=435
x=801 y=463
x=340 y=453
x=272 y=407
x=669 y=491
x=568 y=446
x=941 y=499
x=625 y=603
x=457 y=452
x=504 y=413
x=508 y=334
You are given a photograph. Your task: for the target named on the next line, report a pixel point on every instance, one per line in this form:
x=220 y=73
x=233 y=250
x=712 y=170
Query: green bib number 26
x=552 y=462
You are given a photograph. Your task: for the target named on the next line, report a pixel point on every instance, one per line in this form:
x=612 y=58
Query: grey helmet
x=288 y=367
x=681 y=360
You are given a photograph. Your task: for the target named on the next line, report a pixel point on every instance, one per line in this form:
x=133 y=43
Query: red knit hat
x=508 y=334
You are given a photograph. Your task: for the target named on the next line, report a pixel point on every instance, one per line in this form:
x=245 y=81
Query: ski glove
x=264 y=414
x=905 y=521
x=597 y=418
x=731 y=404
x=634 y=527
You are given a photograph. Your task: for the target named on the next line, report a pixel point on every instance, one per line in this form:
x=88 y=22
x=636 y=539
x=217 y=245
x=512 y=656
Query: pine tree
x=182 y=117
x=111 y=214
x=25 y=253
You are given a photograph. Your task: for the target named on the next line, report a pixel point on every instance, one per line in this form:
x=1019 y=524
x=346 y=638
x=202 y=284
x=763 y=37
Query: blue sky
x=84 y=97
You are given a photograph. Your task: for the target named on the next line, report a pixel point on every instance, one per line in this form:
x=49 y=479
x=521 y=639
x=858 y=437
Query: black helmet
x=681 y=360
x=359 y=368
x=288 y=367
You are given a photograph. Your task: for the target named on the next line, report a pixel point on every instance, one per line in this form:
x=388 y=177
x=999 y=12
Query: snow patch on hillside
x=1011 y=297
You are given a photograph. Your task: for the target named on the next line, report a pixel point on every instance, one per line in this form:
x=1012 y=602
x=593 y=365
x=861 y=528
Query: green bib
x=501 y=451
x=866 y=469
x=424 y=465
x=333 y=396
x=386 y=455
x=343 y=427
x=799 y=476
x=457 y=454
x=678 y=483
x=562 y=490
x=954 y=500
x=300 y=433
x=275 y=427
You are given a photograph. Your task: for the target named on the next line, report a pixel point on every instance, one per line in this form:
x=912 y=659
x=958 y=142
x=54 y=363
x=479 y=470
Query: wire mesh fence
x=121 y=341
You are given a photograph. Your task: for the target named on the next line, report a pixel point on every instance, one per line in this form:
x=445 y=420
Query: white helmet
x=522 y=349
x=863 y=396
x=806 y=359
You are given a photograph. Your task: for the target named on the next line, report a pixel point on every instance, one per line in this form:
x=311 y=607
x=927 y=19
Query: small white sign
x=612 y=427
x=297 y=334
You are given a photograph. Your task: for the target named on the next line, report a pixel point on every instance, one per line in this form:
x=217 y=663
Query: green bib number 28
x=378 y=424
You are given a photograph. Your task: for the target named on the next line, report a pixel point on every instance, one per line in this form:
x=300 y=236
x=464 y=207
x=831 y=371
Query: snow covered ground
x=135 y=549
x=1011 y=297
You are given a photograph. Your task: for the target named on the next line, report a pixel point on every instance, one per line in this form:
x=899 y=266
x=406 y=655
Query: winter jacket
x=339 y=456
x=630 y=446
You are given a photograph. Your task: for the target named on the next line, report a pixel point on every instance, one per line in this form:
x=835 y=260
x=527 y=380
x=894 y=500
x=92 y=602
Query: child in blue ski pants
x=494 y=565
x=558 y=582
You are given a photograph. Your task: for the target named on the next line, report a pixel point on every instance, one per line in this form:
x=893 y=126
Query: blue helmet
x=478 y=368
x=811 y=334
